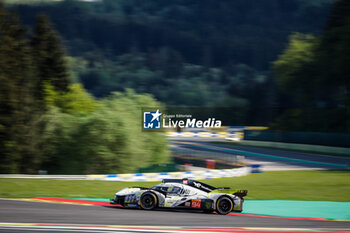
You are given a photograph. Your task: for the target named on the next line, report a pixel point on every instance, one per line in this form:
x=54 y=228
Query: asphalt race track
x=257 y=155
x=21 y=216
x=13 y=211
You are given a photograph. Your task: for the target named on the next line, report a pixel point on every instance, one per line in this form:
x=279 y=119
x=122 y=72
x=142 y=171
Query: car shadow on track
x=173 y=210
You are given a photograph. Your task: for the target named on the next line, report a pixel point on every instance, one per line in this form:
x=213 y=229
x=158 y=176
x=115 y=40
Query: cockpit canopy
x=168 y=188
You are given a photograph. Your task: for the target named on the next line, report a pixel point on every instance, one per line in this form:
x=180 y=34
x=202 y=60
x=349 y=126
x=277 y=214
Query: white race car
x=182 y=193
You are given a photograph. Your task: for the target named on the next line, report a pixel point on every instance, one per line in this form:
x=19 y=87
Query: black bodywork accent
x=159 y=191
x=142 y=188
x=206 y=204
x=241 y=193
x=119 y=200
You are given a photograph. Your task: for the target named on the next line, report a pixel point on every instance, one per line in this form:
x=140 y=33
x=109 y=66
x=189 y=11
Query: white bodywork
x=182 y=193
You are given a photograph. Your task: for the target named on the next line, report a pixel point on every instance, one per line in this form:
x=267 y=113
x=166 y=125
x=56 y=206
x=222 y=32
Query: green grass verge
x=284 y=185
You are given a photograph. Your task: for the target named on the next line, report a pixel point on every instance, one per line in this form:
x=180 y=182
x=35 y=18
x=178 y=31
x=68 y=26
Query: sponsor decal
x=198 y=185
x=185 y=181
x=196 y=203
x=188 y=203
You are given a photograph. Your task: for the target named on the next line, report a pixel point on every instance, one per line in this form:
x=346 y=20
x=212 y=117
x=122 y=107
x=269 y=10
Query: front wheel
x=148 y=201
x=224 y=205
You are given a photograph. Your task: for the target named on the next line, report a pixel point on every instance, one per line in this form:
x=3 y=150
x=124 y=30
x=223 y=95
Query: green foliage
x=199 y=32
x=314 y=73
x=48 y=56
x=17 y=115
x=190 y=85
x=290 y=65
x=45 y=123
x=188 y=53
x=75 y=100
x=334 y=56
x=24 y=68
x=107 y=140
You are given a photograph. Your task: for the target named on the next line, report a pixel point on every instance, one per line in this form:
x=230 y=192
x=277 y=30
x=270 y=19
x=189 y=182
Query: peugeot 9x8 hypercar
x=182 y=193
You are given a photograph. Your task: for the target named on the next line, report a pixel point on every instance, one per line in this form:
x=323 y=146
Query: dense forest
x=183 y=52
x=207 y=53
x=202 y=32
x=49 y=123
x=78 y=73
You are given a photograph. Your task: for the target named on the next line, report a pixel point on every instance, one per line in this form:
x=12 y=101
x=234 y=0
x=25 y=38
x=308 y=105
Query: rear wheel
x=148 y=201
x=224 y=205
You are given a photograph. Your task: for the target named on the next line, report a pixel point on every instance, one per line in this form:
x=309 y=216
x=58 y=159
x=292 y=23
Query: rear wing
x=236 y=192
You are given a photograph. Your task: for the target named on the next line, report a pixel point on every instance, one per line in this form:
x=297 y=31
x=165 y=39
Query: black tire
x=148 y=201
x=224 y=205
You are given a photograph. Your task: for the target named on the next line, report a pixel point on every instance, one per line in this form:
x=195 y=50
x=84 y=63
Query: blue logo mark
x=151 y=120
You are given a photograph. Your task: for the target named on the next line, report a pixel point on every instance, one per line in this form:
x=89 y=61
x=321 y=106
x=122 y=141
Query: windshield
x=170 y=189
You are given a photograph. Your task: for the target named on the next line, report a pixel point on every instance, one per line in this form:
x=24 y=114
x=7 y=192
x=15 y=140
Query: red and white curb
x=166 y=229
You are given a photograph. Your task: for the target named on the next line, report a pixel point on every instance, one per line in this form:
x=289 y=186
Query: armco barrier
x=203 y=174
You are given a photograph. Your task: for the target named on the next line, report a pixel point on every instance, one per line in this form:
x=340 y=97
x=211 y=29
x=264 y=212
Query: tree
x=316 y=71
x=17 y=130
x=294 y=68
x=48 y=55
x=334 y=55
x=107 y=140
x=76 y=101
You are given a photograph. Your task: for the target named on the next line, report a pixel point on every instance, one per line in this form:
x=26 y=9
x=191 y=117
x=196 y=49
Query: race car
x=182 y=193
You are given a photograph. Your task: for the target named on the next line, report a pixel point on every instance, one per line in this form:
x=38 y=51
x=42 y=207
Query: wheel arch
x=222 y=196
x=160 y=198
x=149 y=193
